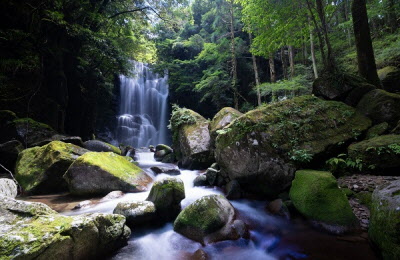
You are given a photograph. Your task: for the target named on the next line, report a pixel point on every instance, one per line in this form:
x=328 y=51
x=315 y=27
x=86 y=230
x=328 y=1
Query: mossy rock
x=167 y=195
x=100 y=146
x=31 y=132
x=390 y=78
x=381 y=106
x=377 y=130
x=223 y=118
x=34 y=231
x=263 y=148
x=103 y=172
x=39 y=170
x=384 y=223
x=380 y=154
x=162 y=151
x=315 y=195
x=137 y=213
x=206 y=220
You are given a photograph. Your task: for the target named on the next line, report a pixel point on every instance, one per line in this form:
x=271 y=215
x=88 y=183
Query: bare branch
x=12 y=176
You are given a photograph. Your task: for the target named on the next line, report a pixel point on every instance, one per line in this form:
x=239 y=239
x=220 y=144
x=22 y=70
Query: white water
x=143 y=108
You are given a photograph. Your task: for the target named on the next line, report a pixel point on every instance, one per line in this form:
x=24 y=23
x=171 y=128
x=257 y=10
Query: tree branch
x=130 y=11
x=12 y=176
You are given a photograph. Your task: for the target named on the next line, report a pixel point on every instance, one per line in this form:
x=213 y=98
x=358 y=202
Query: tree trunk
x=321 y=14
x=284 y=64
x=392 y=15
x=272 y=68
x=291 y=61
x=320 y=38
x=347 y=18
x=314 y=61
x=257 y=77
x=365 y=51
x=233 y=54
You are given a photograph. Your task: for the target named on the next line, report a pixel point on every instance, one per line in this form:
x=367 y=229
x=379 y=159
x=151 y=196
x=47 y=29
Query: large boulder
x=223 y=118
x=9 y=153
x=341 y=87
x=31 y=132
x=263 y=148
x=8 y=188
x=103 y=172
x=39 y=170
x=380 y=154
x=167 y=195
x=316 y=195
x=191 y=139
x=100 y=146
x=384 y=225
x=208 y=219
x=137 y=213
x=381 y=106
x=7 y=126
x=34 y=231
x=390 y=78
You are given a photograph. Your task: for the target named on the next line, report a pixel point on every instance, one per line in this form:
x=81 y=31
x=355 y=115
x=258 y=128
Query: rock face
x=99 y=146
x=39 y=170
x=381 y=106
x=380 y=154
x=30 y=131
x=223 y=118
x=384 y=229
x=137 y=213
x=163 y=153
x=208 y=219
x=315 y=195
x=390 y=78
x=262 y=148
x=8 y=188
x=101 y=173
x=343 y=87
x=191 y=139
x=167 y=195
x=34 y=231
x=9 y=153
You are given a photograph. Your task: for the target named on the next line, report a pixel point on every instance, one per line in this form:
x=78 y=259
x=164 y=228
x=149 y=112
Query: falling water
x=143 y=108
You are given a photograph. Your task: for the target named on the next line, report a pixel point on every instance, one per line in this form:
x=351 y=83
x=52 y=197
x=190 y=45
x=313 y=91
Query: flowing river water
x=271 y=237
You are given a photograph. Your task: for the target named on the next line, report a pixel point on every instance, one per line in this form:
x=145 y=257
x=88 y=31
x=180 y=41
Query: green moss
x=364 y=197
x=347 y=192
x=215 y=123
x=383 y=73
x=315 y=194
x=32 y=123
x=114 y=148
x=377 y=130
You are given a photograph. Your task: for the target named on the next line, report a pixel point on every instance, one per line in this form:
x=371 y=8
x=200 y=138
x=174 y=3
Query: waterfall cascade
x=143 y=108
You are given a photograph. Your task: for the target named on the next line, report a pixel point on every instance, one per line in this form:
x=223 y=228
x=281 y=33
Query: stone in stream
x=384 y=227
x=277 y=207
x=233 y=190
x=8 y=188
x=103 y=172
x=100 y=146
x=167 y=194
x=200 y=180
x=137 y=213
x=209 y=219
x=162 y=153
x=39 y=170
x=263 y=148
x=315 y=195
x=31 y=230
x=170 y=170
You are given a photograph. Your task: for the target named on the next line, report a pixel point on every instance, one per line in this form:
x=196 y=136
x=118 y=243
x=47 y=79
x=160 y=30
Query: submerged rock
x=315 y=195
x=101 y=173
x=208 y=219
x=263 y=148
x=34 y=231
x=137 y=213
x=100 y=146
x=167 y=195
x=384 y=227
x=8 y=188
x=39 y=170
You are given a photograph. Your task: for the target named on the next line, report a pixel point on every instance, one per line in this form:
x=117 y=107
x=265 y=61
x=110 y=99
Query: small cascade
x=143 y=108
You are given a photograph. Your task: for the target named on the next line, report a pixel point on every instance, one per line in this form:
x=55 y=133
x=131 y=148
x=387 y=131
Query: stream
x=271 y=237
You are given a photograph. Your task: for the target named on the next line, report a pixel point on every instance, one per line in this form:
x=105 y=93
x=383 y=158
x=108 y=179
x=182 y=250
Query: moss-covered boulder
x=40 y=170
x=223 y=118
x=263 y=148
x=208 y=219
x=34 y=231
x=7 y=126
x=380 y=154
x=162 y=153
x=191 y=139
x=377 y=130
x=390 y=78
x=384 y=223
x=316 y=195
x=8 y=188
x=100 y=146
x=137 y=213
x=103 y=172
x=167 y=195
x=30 y=131
x=381 y=106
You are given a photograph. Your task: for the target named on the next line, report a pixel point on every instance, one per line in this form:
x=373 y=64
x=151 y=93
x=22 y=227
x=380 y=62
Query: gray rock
x=8 y=188
x=200 y=180
x=100 y=146
x=137 y=213
x=170 y=170
x=112 y=196
x=223 y=118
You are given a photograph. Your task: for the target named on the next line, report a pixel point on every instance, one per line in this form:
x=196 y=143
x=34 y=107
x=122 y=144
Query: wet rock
x=212 y=176
x=315 y=195
x=200 y=254
x=137 y=213
x=167 y=195
x=9 y=153
x=8 y=188
x=83 y=204
x=200 y=180
x=170 y=170
x=278 y=208
x=263 y=148
x=40 y=170
x=99 y=146
x=162 y=153
x=101 y=173
x=112 y=196
x=233 y=190
x=76 y=140
x=384 y=226
x=212 y=225
x=34 y=231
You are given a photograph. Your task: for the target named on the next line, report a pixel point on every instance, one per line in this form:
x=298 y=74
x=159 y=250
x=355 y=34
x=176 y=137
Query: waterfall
x=143 y=108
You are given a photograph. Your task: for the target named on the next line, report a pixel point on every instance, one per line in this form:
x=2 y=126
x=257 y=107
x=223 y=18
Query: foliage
x=179 y=117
